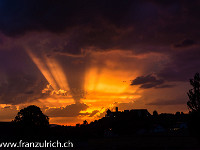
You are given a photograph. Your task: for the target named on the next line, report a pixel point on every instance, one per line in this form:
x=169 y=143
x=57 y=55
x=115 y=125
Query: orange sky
x=75 y=60
x=106 y=85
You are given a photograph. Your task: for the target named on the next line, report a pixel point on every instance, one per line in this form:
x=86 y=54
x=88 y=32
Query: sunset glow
x=77 y=63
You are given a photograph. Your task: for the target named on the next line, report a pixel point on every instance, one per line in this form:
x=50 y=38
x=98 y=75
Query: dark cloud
x=185 y=43
x=183 y=65
x=145 y=79
x=20 y=80
x=72 y=110
x=21 y=16
x=149 y=81
x=139 y=26
x=103 y=25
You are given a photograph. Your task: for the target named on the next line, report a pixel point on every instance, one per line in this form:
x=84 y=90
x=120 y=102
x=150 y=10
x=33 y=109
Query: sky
x=76 y=59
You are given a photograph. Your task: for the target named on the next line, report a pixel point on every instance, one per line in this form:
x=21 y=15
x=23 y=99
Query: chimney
x=116 y=109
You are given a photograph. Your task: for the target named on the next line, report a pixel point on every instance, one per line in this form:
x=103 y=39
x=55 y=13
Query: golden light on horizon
x=75 y=69
x=102 y=86
x=104 y=83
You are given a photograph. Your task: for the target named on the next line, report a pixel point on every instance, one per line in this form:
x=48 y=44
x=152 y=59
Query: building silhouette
x=133 y=112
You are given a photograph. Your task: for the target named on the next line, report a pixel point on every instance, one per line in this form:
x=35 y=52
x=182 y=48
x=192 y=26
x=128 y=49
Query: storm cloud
x=150 y=81
x=20 y=80
x=104 y=25
x=185 y=43
x=65 y=32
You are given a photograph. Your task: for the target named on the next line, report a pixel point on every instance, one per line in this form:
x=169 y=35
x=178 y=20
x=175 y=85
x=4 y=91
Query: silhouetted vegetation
x=194 y=105
x=194 y=94
x=31 y=116
x=31 y=124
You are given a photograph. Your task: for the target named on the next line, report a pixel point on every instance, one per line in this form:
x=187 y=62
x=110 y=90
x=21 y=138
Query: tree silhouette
x=194 y=94
x=194 y=106
x=31 y=116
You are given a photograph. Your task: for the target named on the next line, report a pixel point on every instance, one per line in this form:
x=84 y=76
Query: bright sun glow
x=103 y=87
